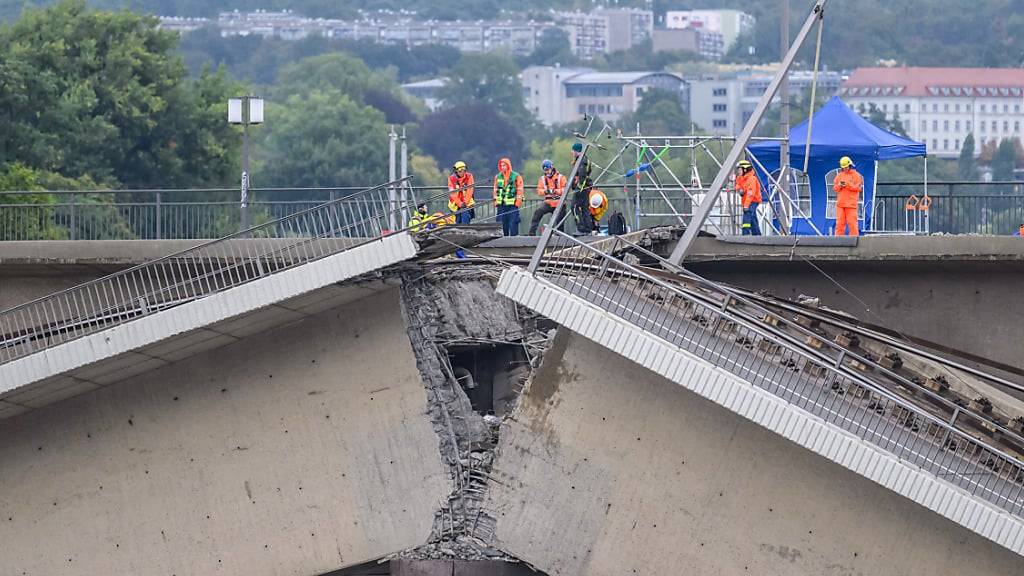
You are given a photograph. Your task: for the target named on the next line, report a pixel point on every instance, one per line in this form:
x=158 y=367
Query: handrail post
x=159 y=214
x=72 y=224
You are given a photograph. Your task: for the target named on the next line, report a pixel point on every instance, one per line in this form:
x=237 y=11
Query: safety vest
x=506 y=188
x=551 y=189
x=460 y=190
x=417 y=220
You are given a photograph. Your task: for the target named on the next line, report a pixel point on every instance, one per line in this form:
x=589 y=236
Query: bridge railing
x=211 y=267
x=988 y=208
x=812 y=374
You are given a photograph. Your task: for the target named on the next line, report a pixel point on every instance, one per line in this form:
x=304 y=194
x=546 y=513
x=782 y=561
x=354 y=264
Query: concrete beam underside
x=742 y=401
x=609 y=469
x=295 y=451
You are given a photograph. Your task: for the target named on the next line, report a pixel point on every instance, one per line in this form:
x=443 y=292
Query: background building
x=592 y=34
x=558 y=95
x=722 y=104
x=941 y=106
x=728 y=24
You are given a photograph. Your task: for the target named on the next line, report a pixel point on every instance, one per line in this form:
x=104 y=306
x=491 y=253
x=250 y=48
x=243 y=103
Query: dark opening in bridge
x=492 y=376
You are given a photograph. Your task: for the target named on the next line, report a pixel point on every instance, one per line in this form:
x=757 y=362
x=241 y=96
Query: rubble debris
x=475 y=351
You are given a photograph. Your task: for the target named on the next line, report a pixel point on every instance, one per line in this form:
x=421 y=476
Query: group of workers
x=847 y=185
x=588 y=203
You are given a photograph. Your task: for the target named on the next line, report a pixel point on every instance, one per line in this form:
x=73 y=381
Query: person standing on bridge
x=847 y=186
x=550 y=187
x=460 y=193
x=749 y=187
x=582 y=183
x=508 y=197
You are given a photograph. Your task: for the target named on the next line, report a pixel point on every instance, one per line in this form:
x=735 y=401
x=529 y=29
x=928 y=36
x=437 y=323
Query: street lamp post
x=245 y=110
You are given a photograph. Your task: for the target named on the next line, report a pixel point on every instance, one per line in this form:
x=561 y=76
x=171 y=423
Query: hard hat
x=460 y=165
x=744 y=164
x=595 y=201
x=577 y=147
x=845 y=162
x=547 y=164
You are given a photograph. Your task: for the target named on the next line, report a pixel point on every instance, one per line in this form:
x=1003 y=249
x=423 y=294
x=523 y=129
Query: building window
x=982 y=108
x=956 y=144
x=718 y=107
x=718 y=123
x=935 y=107
x=945 y=125
x=945 y=144
x=906 y=107
x=719 y=92
x=1006 y=108
x=982 y=126
x=1006 y=126
x=995 y=126
x=1016 y=108
x=1016 y=126
x=583 y=109
x=935 y=125
x=956 y=126
x=924 y=125
x=885 y=107
x=968 y=107
x=945 y=107
x=935 y=144
x=968 y=125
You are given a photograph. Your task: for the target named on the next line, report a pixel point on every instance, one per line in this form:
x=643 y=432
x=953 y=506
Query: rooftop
x=615 y=77
x=912 y=81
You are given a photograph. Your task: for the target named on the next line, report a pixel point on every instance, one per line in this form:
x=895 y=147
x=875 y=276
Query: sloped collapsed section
x=759 y=406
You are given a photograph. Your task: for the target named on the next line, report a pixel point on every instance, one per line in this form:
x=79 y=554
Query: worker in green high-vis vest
x=508 y=197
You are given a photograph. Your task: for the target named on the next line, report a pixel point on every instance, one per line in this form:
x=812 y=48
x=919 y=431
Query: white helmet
x=595 y=201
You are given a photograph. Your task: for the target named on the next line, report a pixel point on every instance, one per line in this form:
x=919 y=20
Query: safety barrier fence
x=211 y=267
x=215 y=213
x=805 y=370
x=990 y=208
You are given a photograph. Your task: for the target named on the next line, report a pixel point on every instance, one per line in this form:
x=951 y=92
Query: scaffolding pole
x=686 y=242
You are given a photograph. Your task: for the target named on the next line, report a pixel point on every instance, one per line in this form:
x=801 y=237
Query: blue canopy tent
x=837 y=131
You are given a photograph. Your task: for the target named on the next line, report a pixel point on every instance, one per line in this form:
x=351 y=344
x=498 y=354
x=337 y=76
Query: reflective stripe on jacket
x=750 y=186
x=848 y=185
x=460 y=190
x=550 y=189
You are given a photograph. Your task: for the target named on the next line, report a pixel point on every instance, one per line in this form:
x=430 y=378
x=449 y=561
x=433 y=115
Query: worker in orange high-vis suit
x=460 y=193
x=550 y=186
x=749 y=187
x=508 y=197
x=848 y=186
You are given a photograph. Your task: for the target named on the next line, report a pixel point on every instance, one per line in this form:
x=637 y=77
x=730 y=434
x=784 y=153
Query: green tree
x=102 y=95
x=322 y=139
x=490 y=80
x=474 y=133
x=1004 y=161
x=659 y=112
x=967 y=165
x=552 y=48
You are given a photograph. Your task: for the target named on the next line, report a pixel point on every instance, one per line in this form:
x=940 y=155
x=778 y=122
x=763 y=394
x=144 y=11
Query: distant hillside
x=917 y=32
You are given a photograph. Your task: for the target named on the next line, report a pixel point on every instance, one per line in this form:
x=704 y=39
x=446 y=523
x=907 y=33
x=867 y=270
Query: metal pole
x=405 y=183
x=686 y=242
x=783 y=184
x=244 y=200
x=158 y=216
x=392 y=168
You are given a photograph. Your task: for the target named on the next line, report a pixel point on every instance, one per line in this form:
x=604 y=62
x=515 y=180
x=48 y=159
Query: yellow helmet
x=744 y=164
x=460 y=165
x=845 y=162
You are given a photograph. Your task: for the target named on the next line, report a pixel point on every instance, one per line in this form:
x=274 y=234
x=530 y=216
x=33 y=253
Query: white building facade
x=728 y=24
x=941 y=106
x=559 y=95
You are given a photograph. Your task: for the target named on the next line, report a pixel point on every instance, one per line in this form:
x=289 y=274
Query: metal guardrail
x=214 y=266
x=810 y=374
x=989 y=208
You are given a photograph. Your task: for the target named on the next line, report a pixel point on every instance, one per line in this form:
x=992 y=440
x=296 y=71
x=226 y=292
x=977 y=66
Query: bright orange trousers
x=846 y=217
